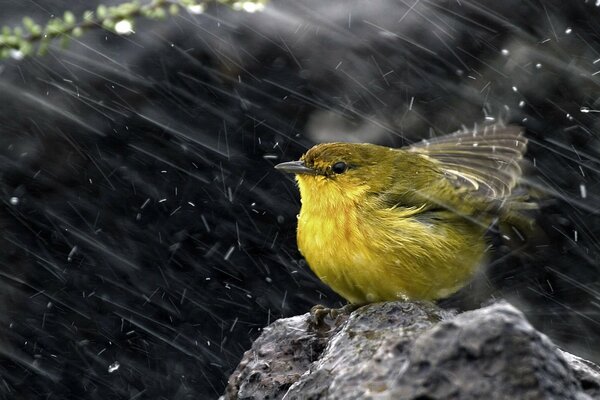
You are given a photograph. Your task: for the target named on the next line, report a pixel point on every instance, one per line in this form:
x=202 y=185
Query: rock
x=586 y=372
x=278 y=358
x=404 y=350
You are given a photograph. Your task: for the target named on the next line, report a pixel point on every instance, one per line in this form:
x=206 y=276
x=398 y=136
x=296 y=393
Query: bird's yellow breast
x=336 y=251
x=369 y=255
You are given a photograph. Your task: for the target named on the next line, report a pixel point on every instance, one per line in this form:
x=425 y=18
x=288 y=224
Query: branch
x=31 y=38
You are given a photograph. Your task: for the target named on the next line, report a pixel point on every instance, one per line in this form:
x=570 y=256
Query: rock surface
x=401 y=350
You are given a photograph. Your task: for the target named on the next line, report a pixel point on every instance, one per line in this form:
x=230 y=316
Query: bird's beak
x=295 y=167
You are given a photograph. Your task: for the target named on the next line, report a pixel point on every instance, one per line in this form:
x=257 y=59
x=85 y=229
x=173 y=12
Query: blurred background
x=146 y=239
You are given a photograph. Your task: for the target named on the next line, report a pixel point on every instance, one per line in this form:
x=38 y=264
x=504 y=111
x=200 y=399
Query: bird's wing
x=483 y=161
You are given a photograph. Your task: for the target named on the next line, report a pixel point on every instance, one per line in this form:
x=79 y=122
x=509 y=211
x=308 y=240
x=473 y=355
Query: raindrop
x=583 y=191
x=16 y=54
x=521 y=104
x=505 y=52
x=113 y=367
x=72 y=253
x=14 y=201
x=538 y=65
x=228 y=254
x=568 y=31
x=196 y=8
x=248 y=6
x=124 y=27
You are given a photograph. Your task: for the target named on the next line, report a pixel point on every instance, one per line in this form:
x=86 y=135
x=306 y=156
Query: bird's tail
x=517 y=218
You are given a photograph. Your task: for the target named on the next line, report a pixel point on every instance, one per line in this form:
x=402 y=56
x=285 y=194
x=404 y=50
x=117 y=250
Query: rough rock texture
x=278 y=358
x=412 y=351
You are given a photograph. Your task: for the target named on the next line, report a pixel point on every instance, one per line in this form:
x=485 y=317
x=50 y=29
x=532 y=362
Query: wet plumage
x=380 y=223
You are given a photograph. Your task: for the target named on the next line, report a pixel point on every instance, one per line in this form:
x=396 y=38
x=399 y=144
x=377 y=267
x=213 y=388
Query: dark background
x=143 y=224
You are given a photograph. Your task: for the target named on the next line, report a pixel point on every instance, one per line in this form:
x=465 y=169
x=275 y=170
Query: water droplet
x=14 y=201
x=248 y=6
x=72 y=253
x=229 y=253
x=568 y=31
x=505 y=52
x=113 y=367
x=583 y=190
x=196 y=8
x=16 y=54
x=124 y=27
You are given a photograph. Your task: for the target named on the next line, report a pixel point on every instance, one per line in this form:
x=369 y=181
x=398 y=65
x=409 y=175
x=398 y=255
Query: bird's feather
x=483 y=161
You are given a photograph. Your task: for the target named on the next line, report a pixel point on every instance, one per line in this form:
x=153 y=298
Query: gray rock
x=586 y=372
x=285 y=350
x=402 y=350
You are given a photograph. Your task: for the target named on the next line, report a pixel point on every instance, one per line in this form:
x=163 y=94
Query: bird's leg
x=345 y=310
x=319 y=312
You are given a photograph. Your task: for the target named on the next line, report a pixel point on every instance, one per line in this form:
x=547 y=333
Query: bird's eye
x=339 y=167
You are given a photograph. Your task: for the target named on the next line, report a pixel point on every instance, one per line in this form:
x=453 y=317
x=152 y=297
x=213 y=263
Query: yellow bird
x=379 y=223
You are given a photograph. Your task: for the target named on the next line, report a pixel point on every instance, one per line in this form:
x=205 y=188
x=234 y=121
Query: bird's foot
x=319 y=313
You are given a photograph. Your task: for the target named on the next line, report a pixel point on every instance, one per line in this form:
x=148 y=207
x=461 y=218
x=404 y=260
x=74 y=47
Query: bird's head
x=331 y=173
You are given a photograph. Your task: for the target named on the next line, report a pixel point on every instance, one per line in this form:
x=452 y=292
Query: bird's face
x=337 y=173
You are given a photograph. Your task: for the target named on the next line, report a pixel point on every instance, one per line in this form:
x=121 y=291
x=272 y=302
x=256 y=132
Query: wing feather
x=483 y=161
